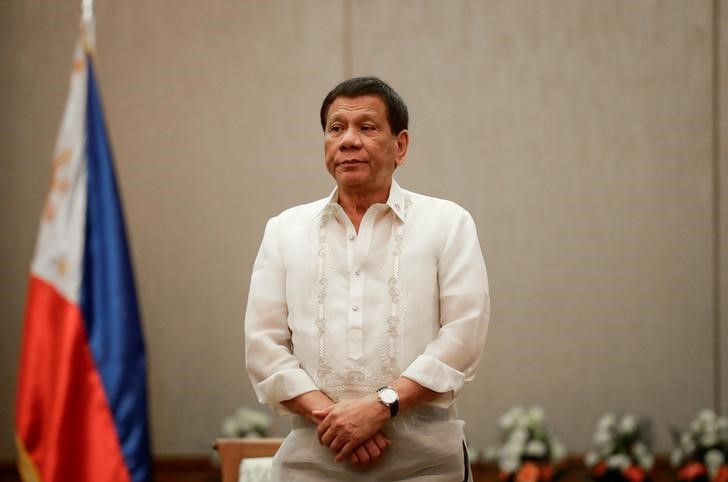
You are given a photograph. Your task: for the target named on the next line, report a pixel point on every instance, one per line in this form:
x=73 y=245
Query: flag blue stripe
x=108 y=298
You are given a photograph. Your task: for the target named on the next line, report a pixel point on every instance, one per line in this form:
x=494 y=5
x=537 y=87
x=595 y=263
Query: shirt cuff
x=431 y=373
x=284 y=385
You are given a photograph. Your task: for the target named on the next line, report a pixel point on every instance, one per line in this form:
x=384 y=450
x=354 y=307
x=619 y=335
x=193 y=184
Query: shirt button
x=357 y=271
x=355 y=308
x=351 y=237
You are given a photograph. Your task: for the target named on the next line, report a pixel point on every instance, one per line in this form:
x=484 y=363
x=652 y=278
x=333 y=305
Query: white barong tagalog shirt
x=346 y=313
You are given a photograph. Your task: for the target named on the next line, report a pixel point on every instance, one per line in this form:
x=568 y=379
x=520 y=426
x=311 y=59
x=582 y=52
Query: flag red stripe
x=62 y=416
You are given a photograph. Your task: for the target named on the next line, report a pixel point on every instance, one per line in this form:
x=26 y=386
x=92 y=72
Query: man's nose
x=350 y=139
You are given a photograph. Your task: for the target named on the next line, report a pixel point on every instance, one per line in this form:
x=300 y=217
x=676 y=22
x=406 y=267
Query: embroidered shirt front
x=347 y=312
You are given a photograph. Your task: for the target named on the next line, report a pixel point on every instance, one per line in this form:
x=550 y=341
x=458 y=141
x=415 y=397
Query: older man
x=367 y=310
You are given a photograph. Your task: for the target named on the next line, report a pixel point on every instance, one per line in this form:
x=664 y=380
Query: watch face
x=387 y=395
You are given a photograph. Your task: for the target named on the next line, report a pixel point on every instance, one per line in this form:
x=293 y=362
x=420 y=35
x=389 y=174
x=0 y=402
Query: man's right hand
x=370 y=451
x=367 y=453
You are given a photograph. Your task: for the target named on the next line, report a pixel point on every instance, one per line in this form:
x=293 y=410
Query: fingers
x=361 y=454
x=372 y=450
x=322 y=412
x=345 y=451
x=323 y=430
x=337 y=445
x=381 y=441
x=369 y=451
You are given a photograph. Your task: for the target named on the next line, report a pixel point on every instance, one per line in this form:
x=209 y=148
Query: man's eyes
x=337 y=128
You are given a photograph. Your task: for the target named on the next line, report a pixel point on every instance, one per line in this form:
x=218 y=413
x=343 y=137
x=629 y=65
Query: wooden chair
x=233 y=450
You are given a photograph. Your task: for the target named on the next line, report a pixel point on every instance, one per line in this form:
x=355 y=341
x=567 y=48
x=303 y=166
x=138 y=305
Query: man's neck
x=356 y=202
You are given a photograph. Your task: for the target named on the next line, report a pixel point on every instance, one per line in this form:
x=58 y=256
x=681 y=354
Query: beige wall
x=721 y=161
x=578 y=133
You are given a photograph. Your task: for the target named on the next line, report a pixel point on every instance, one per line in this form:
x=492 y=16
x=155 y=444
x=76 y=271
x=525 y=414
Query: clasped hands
x=351 y=429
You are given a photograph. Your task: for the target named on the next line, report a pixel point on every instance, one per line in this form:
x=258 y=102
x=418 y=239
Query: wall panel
x=578 y=135
x=213 y=114
x=722 y=145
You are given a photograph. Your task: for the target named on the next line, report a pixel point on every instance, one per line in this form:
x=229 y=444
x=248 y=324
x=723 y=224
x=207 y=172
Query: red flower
x=691 y=471
x=547 y=472
x=634 y=474
x=600 y=469
x=722 y=475
x=528 y=473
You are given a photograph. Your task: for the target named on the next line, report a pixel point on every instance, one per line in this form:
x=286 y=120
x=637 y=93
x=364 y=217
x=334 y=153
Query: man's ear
x=402 y=145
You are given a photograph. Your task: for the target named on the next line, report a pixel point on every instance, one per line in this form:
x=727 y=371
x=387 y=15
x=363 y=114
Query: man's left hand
x=348 y=423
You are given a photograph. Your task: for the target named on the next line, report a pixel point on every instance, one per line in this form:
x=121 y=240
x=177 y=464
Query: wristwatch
x=389 y=397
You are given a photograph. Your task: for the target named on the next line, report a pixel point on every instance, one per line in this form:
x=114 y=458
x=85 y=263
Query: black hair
x=397 y=114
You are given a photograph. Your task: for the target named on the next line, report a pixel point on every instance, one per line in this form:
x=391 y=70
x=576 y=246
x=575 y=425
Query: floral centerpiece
x=528 y=451
x=246 y=423
x=621 y=449
x=701 y=453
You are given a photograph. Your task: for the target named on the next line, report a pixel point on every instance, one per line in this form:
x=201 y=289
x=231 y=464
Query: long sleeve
x=274 y=371
x=452 y=357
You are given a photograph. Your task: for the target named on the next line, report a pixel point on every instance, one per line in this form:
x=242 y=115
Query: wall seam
x=717 y=261
x=346 y=50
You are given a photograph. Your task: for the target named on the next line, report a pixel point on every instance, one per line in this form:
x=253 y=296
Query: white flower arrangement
x=701 y=452
x=246 y=423
x=621 y=447
x=526 y=443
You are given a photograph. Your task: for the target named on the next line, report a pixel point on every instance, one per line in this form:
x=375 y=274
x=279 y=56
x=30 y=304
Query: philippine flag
x=81 y=408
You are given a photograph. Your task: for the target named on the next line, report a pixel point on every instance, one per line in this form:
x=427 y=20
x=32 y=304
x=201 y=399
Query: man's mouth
x=350 y=162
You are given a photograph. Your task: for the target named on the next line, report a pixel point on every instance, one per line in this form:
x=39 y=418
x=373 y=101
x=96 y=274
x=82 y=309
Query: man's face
x=360 y=150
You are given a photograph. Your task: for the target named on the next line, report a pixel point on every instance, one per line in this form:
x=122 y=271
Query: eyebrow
x=364 y=116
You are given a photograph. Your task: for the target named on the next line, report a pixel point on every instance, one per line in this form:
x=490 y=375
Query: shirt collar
x=396 y=200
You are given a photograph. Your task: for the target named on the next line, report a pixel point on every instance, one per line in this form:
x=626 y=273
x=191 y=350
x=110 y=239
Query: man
x=367 y=310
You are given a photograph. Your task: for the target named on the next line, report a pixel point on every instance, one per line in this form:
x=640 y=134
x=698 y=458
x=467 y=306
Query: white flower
x=591 y=459
x=505 y=422
x=473 y=455
x=607 y=421
x=686 y=444
x=603 y=440
x=536 y=416
x=723 y=427
x=229 y=427
x=628 y=424
x=618 y=461
x=646 y=461
x=522 y=421
x=515 y=417
x=508 y=464
x=490 y=454
x=536 y=448
x=511 y=450
x=676 y=457
x=256 y=418
x=245 y=423
x=709 y=437
x=518 y=437
x=558 y=451
x=640 y=448
x=508 y=420
x=707 y=417
x=714 y=458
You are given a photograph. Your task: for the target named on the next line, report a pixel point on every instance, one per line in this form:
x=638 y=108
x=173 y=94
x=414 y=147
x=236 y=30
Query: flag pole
x=88 y=27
